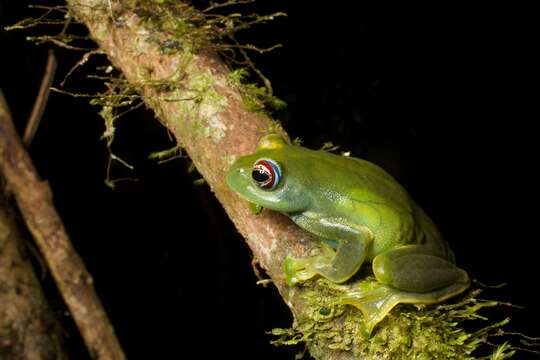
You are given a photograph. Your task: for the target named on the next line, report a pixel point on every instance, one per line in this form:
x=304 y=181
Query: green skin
x=361 y=214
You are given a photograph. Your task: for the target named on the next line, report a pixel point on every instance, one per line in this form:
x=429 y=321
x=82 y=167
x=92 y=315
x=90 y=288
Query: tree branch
x=28 y=329
x=209 y=120
x=34 y=199
x=211 y=123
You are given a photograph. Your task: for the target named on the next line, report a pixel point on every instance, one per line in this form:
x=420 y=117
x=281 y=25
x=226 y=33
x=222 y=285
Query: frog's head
x=270 y=177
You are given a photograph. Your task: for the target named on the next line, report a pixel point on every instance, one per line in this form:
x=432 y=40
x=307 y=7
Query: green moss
x=165 y=155
x=182 y=29
x=502 y=352
x=203 y=103
x=409 y=332
x=204 y=87
x=174 y=25
x=256 y=98
x=197 y=127
x=181 y=26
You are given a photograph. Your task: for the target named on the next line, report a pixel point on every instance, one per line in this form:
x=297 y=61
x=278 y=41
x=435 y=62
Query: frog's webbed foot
x=374 y=304
x=377 y=302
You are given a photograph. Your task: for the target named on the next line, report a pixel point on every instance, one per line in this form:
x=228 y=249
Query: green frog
x=361 y=214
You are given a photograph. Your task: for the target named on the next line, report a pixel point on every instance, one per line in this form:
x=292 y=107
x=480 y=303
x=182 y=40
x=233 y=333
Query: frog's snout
x=231 y=174
x=235 y=176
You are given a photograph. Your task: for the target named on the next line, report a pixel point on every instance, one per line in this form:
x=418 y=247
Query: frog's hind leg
x=406 y=275
x=413 y=268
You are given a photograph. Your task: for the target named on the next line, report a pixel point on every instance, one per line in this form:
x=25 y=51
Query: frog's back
x=376 y=200
x=346 y=174
x=376 y=180
x=365 y=182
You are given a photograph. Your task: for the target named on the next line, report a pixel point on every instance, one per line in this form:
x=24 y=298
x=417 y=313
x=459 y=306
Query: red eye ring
x=266 y=174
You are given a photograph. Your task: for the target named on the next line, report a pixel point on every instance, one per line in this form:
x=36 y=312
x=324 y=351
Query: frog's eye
x=266 y=174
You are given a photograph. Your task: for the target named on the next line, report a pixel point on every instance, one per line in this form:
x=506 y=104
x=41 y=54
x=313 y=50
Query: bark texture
x=34 y=199
x=28 y=329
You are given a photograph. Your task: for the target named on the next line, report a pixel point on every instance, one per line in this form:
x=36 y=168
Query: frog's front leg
x=337 y=266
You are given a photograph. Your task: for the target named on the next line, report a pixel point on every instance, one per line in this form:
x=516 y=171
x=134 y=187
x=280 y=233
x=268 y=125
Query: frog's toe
x=291 y=267
x=297 y=270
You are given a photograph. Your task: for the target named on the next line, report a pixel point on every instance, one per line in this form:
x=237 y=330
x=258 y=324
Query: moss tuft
x=409 y=332
x=182 y=29
x=166 y=155
x=256 y=98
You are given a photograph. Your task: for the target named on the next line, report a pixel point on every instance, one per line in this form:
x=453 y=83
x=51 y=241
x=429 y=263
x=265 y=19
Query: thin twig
x=252 y=66
x=41 y=100
x=80 y=63
x=60 y=43
x=214 y=6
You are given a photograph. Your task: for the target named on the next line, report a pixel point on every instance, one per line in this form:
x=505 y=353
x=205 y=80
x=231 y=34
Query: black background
x=443 y=98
